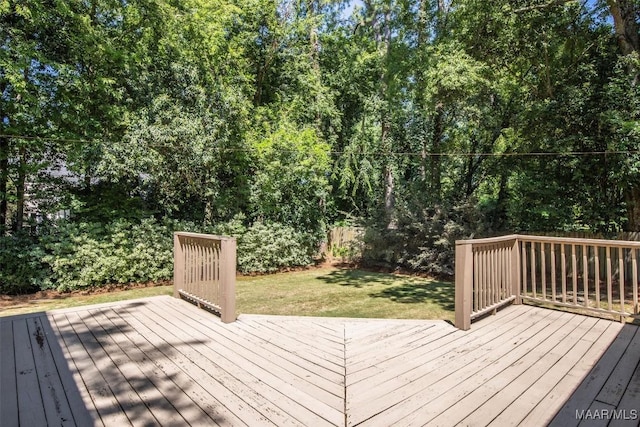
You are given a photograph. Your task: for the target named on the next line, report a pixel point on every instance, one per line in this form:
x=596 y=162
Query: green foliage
x=69 y=256
x=267 y=119
x=424 y=239
x=290 y=183
x=90 y=254
x=23 y=270
x=269 y=247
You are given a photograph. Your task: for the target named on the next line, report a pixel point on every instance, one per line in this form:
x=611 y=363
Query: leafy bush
x=70 y=256
x=22 y=268
x=270 y=247
x=423 y=240
x=89 y=254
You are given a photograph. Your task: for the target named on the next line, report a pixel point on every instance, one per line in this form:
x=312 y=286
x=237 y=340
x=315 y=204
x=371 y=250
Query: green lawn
x=22 y=305
x=317 y=292
x=346 y=293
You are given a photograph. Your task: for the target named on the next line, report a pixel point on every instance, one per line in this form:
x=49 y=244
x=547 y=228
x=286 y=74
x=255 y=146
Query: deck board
x=545 y=380
x=597 y=377
x=161 y=371
x=429 y=370
x=472 y=367
x=30 y=411
x=8 y=386
x=162 y=361
x=312 y=402
x=501 y=385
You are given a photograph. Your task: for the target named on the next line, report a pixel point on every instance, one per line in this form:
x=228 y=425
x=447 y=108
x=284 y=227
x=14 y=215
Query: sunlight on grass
x=75 y=300
x=346 y=293
x=327 y=292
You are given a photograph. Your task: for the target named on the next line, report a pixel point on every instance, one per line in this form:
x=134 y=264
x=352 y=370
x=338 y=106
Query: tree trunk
x=421 y=86
x=4 y=178
x=438 y=122
x=385 y=120
x=314 y=54
x=632 y=196
x=624 y=14
x=436 y=161
x=20 y=190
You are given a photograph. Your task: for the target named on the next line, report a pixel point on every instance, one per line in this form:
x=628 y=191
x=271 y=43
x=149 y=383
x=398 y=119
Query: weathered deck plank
x=426 y=372
x=525 y=402
x=213 y=368
x=175 y=387
x=585 y=395
x=57 y=410
x=618 y=381
x=60 y=368
x=31 y=409
x=161 y=361
x=502 y=385
x=8 y=386
x=441 y=374
x=312 y=402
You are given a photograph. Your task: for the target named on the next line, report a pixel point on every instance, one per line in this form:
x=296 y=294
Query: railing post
x=178 y=265
x=228 y=279
x=464 y=284
x=516 y=272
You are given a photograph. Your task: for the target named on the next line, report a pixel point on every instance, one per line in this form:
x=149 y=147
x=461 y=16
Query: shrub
x=23 y=270
x=265 y=248
x=90 y=254
x=69 y=255
x=422 y=241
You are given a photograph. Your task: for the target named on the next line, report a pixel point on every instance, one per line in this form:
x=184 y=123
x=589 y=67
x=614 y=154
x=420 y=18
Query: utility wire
x=364 y=153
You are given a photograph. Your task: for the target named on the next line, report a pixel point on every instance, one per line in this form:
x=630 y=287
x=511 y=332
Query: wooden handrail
x=205 y=271
x=486 y=277
x=595 y=275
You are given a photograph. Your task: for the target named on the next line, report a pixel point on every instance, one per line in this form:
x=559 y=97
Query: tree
x=291 y=177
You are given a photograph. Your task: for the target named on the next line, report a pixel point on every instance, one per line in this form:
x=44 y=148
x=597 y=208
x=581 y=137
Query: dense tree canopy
x=494 y=116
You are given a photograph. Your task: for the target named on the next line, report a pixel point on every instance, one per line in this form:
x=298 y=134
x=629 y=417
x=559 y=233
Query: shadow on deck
x=161 y=361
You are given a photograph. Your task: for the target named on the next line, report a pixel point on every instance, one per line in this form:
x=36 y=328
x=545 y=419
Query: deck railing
x=598 y=276
x=204 y=272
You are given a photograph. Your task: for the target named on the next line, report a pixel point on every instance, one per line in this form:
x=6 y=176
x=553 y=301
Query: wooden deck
x=162 y=361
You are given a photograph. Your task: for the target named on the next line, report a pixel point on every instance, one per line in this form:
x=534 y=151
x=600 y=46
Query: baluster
x=553 y=271
x=564 y=272
x=523 y=265
x=534 y=285
x=621 y=279
x=585 y=268
x=574 y=273
x=596 y=273
x=634 y=281
x=476 y=280
x=609 y=292
x=543 y=270
x=485 y=278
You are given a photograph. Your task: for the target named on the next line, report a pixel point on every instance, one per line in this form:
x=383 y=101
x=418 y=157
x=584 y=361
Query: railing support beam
x=514 y=274
x=464 y=285
x=228 y=281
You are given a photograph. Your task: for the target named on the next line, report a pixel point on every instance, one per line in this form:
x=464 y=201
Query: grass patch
x=51 y=301
x=324 y=292
x=331 y=292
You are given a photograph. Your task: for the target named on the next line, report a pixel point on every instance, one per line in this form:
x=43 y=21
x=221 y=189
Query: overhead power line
x=365 y=153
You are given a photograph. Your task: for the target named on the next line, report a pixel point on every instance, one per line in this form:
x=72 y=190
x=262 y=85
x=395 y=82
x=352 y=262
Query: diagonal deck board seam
x=251 y=354
x=162 y=361
x=231 y=375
